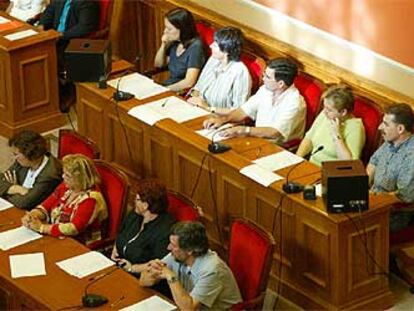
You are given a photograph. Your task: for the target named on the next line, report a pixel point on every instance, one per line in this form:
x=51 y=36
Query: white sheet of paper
x=4 y=204
x=85 y=264
x=278 y=160
x=27 y=265
x=171 y=107
x=260 y=175
x=18 y=236
x=318 y=190
x=208 y=133
x=3 y=20
x=150 y=304
x=137 y=84
x=20 y=34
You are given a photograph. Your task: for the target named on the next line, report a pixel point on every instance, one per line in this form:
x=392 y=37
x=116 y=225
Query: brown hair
x=154 y=194
x=341 y=97
x=31 y=144
x=402 y=114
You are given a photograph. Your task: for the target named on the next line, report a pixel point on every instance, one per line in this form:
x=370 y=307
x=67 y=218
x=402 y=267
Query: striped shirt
x=227 y=87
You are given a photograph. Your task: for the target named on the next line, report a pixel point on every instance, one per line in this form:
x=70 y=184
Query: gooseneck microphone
x=94 y=300
x=294 y=187
x=119 y=95
x=216 y=147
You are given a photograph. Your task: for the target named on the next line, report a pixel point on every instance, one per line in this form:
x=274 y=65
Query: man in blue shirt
x=391 y=167
x=197 y=277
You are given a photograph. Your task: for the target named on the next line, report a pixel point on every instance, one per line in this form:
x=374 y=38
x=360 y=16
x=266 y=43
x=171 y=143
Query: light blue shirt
x=62 y=22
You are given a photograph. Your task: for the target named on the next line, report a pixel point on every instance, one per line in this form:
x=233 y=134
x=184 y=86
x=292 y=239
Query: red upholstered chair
x=105 y=13
x=250 y=258
x=311 y=89
x=71 y=142
x=371 y=116
x=114 y=186
x=256 y=66
x=206 y=32
x=182 y=208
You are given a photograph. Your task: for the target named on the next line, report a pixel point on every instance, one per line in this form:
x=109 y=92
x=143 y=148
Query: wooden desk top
x=57 y=289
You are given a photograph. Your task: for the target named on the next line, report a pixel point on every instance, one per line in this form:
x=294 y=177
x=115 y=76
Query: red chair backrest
x=311 y=89
x=181 y=207
x=256 y=66
x=105 y=8
x=250 y=257
x=71 y=142
x=114 y=187
x=206 y=33
x=371 y=116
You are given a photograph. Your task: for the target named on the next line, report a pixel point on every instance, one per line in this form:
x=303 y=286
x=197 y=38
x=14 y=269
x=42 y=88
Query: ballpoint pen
x=165 y=102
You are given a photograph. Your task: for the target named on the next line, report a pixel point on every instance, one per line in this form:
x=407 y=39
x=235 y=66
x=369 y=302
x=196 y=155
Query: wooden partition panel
x=321 y=260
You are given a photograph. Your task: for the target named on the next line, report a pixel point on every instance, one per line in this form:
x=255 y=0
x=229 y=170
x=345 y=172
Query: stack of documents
x=152 y=303
x=4 y=204
x=27 y=265
x=85 y=264
x=137 y=84
x=16 y=237
x=262 y=170
x=171 y=107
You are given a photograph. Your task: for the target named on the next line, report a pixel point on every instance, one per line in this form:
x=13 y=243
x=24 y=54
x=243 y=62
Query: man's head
x=280 y=74
x=397 y=123
x=188 y=240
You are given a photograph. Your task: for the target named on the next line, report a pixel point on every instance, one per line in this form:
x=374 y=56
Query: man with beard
x=391 y=168
x=279 y=111
x=197 y=277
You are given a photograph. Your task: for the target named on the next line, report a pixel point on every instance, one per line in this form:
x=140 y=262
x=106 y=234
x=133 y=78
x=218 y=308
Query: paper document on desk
x=214 y=133
x=20 y=34
x=139 y=85
x=27 y=265
x=171 y=107
x=4 y=20
x=259 y=174
x=15 y=237
x=4 y=204
x=278 y=160
x=150 y=304
x=85 y=264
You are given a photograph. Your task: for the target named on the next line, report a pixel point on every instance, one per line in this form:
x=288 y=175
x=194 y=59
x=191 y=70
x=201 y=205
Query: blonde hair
x=341 y=96
x=82 y=169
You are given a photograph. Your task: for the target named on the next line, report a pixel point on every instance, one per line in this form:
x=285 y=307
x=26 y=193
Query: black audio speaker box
x=88 y=60
x=344 y=186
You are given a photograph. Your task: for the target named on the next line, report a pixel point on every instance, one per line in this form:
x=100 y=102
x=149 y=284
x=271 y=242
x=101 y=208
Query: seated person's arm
x=189 y=80
x=235 y=116
x=371 y=173
x=161 y=58
x=9 y=8
x=46 y=19
x=240 y=131
x=151 y=275
x=305 y=147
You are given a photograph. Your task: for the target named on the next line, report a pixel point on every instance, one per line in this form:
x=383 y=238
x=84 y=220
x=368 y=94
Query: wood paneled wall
x=137 y=27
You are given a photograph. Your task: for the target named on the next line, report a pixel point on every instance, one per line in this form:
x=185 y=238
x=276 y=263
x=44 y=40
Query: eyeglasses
x=265 y=76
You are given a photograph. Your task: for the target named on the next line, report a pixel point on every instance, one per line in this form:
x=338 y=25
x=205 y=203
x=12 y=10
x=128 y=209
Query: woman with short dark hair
x=34 y=174
x=225 y=81
x=181 y=49
x=144 y=234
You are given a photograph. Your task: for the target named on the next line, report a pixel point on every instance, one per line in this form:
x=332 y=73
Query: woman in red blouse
x=76 y=208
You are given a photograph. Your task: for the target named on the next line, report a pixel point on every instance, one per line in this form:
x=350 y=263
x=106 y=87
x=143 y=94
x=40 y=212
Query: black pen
x=165 y=102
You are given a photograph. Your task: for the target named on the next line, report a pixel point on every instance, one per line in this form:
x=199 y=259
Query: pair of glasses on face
x=265 y=76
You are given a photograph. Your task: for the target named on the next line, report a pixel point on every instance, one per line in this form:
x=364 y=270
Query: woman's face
x=216 y=52
x=140 y=206
x=20 y=157
x=70 y=180
x=170 y=30
x=331 y=112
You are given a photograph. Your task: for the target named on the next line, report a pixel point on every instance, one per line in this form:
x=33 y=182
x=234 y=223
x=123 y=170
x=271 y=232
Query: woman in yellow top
x=336 y=129
x=76 y=208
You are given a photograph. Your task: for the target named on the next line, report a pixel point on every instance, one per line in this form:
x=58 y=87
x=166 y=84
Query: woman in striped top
x=225 y=81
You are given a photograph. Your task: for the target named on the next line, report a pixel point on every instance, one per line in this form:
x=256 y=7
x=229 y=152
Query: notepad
x=15 y=237
x=4 y=204
x=150 y=304
x=27 y=265
x=278 y=160
x=20 y=35
x=260 y=174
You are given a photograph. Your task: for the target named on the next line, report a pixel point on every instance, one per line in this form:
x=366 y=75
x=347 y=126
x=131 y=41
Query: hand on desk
x=32 y=222
x=198 y=102
x=213 y=122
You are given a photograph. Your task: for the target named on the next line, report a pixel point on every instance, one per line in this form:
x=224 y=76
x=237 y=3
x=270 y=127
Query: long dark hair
x=183 y=20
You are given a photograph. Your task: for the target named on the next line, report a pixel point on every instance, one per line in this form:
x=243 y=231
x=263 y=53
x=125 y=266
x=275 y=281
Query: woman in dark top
x=181 y=49
x=145 y=231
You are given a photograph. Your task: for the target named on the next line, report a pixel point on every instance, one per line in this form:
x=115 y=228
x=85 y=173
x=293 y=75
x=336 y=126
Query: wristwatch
x=172 y=279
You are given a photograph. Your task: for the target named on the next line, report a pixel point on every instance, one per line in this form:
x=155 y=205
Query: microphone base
x=93 y=300
x=122 y=96
x=218 y=148
x=292 y=187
